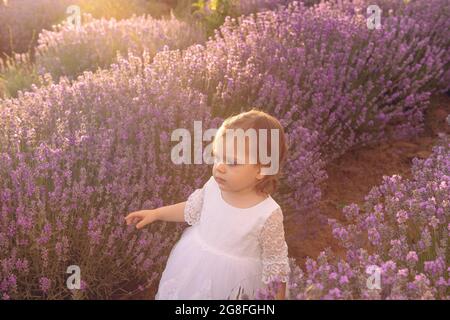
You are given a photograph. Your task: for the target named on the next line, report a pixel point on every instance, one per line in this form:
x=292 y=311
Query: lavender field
x=87 y=110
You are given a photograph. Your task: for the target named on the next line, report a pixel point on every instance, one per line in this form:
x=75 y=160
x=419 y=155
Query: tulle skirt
x=195 y=270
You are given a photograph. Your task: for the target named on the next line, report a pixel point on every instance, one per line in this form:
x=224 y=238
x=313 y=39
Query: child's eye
x=229 y=162
x=234 y=163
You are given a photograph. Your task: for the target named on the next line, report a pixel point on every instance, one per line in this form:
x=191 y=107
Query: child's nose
x=220 y=166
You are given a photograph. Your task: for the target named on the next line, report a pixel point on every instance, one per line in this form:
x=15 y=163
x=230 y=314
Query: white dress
x=226 y=251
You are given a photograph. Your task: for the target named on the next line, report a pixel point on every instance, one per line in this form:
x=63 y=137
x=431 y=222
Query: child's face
x=237 y=176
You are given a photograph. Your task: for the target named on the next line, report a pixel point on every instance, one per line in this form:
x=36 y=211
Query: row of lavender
x=66 y=50
x=23 y=20
x=86 y=44
x=432 y=15
x=76 y=157
x=69 y=51
x=74 y=160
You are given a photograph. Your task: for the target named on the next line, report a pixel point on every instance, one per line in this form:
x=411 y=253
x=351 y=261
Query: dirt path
x=353 y=175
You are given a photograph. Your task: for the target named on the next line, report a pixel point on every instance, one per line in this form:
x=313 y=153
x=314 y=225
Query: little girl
x=235 y=244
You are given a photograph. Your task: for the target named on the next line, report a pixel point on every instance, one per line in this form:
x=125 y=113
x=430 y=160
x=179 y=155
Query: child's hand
x=142 y=218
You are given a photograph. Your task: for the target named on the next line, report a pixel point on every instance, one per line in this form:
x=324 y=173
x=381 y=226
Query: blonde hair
x=258 y=119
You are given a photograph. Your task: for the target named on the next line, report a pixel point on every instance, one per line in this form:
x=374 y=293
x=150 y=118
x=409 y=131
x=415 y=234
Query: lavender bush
x=68 y=51
x=406 y=223
x=74 y=160
x=432 y=18
x=403 y=228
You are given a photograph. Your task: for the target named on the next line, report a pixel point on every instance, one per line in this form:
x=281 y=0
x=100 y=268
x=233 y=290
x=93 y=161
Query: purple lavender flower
x=44 y=284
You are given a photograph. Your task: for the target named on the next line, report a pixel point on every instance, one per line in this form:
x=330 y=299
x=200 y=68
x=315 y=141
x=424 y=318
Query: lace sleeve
x=275 y=261
x=193 y=207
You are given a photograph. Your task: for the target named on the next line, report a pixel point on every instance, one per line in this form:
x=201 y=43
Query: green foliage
x=212 y=13
x=17 y=73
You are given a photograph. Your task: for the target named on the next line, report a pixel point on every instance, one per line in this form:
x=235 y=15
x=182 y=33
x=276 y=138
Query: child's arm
x=173 y=212
x=275 y=259
x=187 y=211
